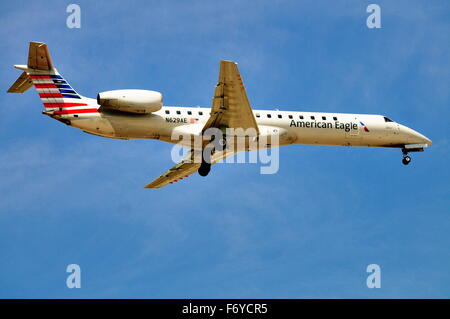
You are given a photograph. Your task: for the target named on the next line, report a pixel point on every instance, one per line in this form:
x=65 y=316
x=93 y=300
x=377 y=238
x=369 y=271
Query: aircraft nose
x=422 y=138
x=427 y=140
x=416 y=137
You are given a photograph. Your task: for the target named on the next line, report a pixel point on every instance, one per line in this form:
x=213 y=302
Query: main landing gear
x=220 y=144
x=406 y=159
x=204 y=169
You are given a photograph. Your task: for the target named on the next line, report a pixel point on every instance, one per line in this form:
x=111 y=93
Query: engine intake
x=133 y=101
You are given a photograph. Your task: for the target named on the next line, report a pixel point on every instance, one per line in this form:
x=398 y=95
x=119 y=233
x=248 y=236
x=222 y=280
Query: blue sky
x=308 y=231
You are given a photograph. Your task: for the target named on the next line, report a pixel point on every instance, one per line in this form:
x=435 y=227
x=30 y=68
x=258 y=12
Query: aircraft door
x=353 y=134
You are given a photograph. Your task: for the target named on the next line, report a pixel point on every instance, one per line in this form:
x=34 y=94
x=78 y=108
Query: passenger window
x=178 y=112
x=200 y=113
x=167 y=112
x=301 y=117
x=290 y=116
x=335 y=118
x=279 y=116
x=257 y=115
x=313 y=118
x=324 y=118
x=269 y=116
x=189 y=113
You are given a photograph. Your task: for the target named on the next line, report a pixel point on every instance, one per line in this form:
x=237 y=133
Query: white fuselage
x=293 y=127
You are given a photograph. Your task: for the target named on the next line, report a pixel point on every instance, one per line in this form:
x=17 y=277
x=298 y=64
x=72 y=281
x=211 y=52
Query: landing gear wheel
x=204 y=169
x=406 y=160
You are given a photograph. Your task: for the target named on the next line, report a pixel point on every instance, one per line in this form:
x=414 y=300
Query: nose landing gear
x=406 y=159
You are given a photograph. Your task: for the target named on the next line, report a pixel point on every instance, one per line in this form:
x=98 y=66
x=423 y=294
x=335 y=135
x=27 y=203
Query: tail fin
x=54 y=91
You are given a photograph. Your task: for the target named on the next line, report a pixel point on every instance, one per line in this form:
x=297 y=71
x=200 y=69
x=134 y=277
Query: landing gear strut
x=406 y=159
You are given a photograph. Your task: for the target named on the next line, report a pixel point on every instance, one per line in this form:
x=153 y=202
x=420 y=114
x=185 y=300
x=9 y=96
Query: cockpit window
x=386 y=119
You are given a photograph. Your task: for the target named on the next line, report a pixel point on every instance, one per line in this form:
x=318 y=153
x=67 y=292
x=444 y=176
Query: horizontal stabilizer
x=22 y=84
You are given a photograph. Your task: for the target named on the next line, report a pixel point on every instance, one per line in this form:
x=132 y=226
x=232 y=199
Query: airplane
x=140 y=114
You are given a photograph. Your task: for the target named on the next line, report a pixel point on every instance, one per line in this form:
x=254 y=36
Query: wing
x=230 y=106
x=190 y=164
x=230 y=109
x=22 y=84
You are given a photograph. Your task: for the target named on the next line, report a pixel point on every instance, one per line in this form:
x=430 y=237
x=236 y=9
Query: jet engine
x=133 y=101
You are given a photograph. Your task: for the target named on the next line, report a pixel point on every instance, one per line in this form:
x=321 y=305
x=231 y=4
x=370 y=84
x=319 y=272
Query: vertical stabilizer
x=55 y=92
